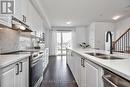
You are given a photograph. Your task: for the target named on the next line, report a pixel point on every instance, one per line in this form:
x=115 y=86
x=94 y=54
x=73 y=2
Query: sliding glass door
x=64 y=39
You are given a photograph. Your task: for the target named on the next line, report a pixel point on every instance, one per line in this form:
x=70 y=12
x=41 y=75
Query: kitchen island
x=119 y=66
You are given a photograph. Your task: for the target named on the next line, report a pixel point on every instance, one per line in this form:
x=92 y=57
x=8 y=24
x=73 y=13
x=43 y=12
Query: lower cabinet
x=15 y=75
x=93 y=75
x=45 y=58
x=8 y=78
x=24 y=74
x=86 y=73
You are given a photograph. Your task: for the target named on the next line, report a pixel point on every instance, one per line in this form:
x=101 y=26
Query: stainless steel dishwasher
x=110 y=79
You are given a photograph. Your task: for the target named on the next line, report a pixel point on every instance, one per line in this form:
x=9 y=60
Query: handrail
x=121 y=36
x=122 y=44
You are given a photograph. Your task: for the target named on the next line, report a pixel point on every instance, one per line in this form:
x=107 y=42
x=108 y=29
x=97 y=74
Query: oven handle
x=38 y=57
x=34 y=63
x=110 y=82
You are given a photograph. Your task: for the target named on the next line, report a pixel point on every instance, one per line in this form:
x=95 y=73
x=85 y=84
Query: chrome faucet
x=109 y=33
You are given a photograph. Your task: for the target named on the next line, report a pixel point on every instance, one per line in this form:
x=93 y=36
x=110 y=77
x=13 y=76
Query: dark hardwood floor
x=58 y=74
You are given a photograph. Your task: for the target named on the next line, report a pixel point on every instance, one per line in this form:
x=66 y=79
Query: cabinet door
x=91 y=75
x=72 y=63
x=17 y=12
x=83 y=74
x=24 y=71
x=68 y=57
x=24 y=5
x=78 y=69
x=8 y=78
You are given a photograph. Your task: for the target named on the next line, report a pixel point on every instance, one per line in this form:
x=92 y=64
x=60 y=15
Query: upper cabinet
x=25 y=7
x=25 y=11
x=21 y=9
x=35 y=20
x=17 y=9
x=5 y=21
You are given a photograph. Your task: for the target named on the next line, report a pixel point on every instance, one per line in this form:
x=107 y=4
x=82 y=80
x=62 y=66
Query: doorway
x=64 y=39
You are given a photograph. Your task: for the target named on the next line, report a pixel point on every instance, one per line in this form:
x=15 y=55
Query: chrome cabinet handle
x=21 y=64
x=83 y=62
x=107 y=80
x=17 y=72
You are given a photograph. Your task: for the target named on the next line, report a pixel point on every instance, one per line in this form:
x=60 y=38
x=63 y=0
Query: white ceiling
x=83 y=12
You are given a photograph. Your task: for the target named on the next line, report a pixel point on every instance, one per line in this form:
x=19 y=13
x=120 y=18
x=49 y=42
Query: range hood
x=19 y=25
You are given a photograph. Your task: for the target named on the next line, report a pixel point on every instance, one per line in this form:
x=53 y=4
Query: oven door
x=36 y=71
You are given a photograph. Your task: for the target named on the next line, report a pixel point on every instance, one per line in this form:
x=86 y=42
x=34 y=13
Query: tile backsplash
x=11 y=40
x=24 y=42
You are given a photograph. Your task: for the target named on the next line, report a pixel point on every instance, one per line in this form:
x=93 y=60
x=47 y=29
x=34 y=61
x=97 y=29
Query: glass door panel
x=58 y=47
x=64 y=39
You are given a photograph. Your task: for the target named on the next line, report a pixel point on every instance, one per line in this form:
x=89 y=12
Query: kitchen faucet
x=109 y=33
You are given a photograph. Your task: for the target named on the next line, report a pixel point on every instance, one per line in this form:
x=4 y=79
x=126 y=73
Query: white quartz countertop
x=6 y=60
x=118 y=66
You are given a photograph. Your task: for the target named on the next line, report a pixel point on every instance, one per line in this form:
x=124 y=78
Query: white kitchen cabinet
x=5 y=21
x=24 y=75
x=92 y=75
x=86 y=73
x=8 y=77
x=78 y=70
x=83 y=72
x=24 y=9
x=45 y=58
x=72 y=63
x=21 y=8
x=36 y=22
x=15 y=75
x=75 y=62
x=17 y=9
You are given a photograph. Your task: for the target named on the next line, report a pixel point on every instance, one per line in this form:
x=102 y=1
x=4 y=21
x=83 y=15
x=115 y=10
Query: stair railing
x=122 y=44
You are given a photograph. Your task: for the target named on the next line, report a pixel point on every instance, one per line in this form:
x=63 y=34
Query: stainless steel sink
x=104 y=56
x=96 y=54
x=109 y=57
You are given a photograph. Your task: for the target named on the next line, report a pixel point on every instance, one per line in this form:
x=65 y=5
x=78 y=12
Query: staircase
x=122 y=44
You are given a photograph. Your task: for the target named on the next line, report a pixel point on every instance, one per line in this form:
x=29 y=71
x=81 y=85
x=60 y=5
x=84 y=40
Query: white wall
x=97 y=32
x=81 y=35
x=122 y=26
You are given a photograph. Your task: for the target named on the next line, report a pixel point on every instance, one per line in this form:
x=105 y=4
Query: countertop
x=118 y=66
x=6 y=60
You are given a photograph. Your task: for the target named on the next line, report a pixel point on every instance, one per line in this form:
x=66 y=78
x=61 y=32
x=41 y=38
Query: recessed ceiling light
x=116 y=17
x=69 y=22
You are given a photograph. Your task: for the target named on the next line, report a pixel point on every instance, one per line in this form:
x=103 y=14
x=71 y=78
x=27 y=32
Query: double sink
x=104 y=56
